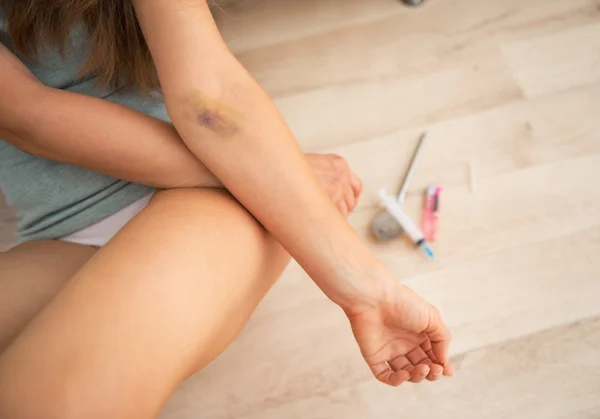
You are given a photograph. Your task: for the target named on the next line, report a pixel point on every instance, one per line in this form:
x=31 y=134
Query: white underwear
x=100 y=233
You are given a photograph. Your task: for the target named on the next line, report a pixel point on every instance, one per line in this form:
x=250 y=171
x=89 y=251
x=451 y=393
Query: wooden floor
x=509 y=88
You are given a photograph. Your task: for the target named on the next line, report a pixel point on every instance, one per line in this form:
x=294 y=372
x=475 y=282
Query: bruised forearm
x=230 y=123
x=273 y=180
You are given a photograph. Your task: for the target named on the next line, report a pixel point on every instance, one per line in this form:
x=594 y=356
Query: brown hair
x=119 y=53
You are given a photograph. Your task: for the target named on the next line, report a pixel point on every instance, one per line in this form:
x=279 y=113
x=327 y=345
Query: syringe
x=391 y=204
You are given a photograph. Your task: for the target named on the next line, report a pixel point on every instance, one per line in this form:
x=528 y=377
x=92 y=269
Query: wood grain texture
x=547 y=63
x=352 y=112
x=522 y=134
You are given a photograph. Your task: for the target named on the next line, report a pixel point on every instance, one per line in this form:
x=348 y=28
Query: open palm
x=402 y=338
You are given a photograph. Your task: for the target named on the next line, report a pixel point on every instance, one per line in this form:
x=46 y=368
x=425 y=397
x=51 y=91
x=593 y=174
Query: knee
x=196 y=207
x=199 y=201
x=193 y=208
x=190 y=201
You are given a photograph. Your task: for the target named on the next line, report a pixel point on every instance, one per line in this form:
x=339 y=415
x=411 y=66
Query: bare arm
x=108 y=138
x=92 y=133
x=229 y=122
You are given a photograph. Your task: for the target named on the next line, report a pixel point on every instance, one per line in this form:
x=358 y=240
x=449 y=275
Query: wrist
x=367 y=287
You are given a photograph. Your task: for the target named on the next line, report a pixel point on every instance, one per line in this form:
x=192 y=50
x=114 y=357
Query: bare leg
x=30 y=276
x=157 y=303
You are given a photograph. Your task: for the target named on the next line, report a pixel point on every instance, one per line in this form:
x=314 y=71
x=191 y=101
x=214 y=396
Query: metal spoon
x=384 y=226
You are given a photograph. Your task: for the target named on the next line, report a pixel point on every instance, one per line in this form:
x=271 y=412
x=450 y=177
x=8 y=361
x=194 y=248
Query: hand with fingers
x=341 y=184
x=402 y=338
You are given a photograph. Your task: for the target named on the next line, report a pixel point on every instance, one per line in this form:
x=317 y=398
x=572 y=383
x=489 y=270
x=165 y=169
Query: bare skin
x=40 y=123
x=30 y=276
x=167 y=277
x=33 y=273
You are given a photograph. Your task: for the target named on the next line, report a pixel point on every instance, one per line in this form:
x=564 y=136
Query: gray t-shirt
x=52 y=199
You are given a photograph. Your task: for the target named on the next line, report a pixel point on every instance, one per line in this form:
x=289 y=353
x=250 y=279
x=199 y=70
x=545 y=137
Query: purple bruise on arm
x=214 y=121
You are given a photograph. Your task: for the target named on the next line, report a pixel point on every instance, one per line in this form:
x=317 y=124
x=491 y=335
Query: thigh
x=160 y=300
x=30 y=276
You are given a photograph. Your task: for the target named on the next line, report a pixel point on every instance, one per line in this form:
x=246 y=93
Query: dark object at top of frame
x=413 y=2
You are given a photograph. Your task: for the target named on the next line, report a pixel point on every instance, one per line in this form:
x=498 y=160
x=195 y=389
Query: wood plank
x=554 y=374
x=251 y=24
x=519 y=135
x=352 y=73
x=342 y=114
x=557 y=61
x=401 y=42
